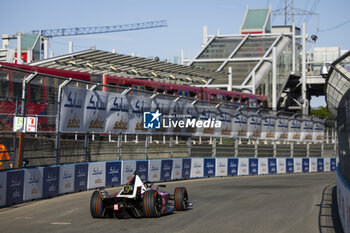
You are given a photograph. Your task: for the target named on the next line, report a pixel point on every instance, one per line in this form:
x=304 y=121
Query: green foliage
x=321 y=111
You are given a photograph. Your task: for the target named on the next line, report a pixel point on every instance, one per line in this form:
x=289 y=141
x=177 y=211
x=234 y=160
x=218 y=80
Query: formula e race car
x=138 y=199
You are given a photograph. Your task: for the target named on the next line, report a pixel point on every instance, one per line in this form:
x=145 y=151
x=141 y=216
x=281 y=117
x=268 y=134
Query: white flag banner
x=307 y=127
x=318 y=131
x=95 y=111
x=138 y=105
x=190 y=111
x=294 y=128
x=254 y=126
x=268 y=128
x=226 y=116
x=207 y=115
x=176 y=112
x=163 y=106
x=117 y=113
x=239 y=126
x=282 y=128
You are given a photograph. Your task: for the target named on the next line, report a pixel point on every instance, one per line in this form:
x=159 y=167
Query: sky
x=185 y=18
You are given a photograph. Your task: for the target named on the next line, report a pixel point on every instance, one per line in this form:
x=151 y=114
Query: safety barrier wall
x=343 y=200
x=17 y=186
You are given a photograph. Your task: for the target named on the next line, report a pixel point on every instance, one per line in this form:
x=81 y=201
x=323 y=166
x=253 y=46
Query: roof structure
x=97 y=62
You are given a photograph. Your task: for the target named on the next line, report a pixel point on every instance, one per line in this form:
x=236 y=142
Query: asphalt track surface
x=278 y=203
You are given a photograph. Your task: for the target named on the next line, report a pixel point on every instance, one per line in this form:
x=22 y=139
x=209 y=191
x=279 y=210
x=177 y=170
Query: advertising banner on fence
x=254 y=126
x=95 y=111
x=307 y=127
x=186 y=168
x=327 y=164
x=208 y=115
x=50 y=181
x=318 y=131
x=66 y=181
x=281 y=165
x=177 y=169
x=272 y=166
x=81 y=177
x=226 y=117
x=113 y=173
x=313 y=165
x=298 y=165
x=72 y=110
x=3 y=177
x=294 y=129
x=138 y=105
x=239 y=126
x=163 y=106
x=197 y=167
x=243 y=166
x=190 y=110
x=232 y=167
x=268 y=128
x=306 y=165
x=33 y=184
x=166 y=170
x=253 y=166
x=97 y=175
x=282 y=128
x=320 y=165
x=129 y=167
x=117 y=113
x=263 y=168
x=209 y=167
x=289 y=165
x=177 y=113
x=14 y=190
x=142 y=169
x=221 y=167
x=154 y=170
x=333 y=164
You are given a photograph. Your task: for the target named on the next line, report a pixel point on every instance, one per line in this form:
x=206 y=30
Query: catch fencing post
x=292 y=149
x=236 y=147
x=189 y=147
x=274 y=149
x=214 y=147
x=86 y=148
x=256 y=148
x=171 y=146
x=146 y=147
x=119 y=145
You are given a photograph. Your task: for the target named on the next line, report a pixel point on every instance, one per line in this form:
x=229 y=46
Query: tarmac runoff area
x=272 y=203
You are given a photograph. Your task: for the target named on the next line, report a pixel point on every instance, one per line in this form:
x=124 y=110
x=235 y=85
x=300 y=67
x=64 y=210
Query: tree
x=321 y=111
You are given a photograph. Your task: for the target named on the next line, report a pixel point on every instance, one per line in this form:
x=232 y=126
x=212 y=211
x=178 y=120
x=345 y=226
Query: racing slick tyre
x=180 y=198
x=152 y=204
x=97 y=207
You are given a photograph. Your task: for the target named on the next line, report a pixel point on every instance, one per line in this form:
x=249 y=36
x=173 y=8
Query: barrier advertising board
x=14 y=187
x=3 y=176
x=298 y=165
x=177 y=169
x=50 y=181
x=254 y=126
x=268 y=128
x=289 y=165
x=139 y=105
x=327 y=164
x=253 y=166
x=81 y=177
x=320 y=165
x=263 y=168
x=282 y=127
x=294 y=130
x=333 y=164
x=226 y=116
x=33 y=184
x=243 y=166
x=318 y=131
x=307 y=130
x=306 y=164
x=113 y=173
x=209 y=167
x=117 y=113
x=272 y=166
x=281 y=165
x=239 y=126
x=221 y=167
x=186 y=168
x=142 y=169
x=154 y=170
x=313 y=165
x=197 y=167
x=96 y=175
x=232 y=167
x=129 y=167
x=166 y=170
x=95 y=111
x=66 y=181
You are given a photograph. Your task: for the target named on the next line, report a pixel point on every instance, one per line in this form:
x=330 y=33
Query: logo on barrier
x=151 y=120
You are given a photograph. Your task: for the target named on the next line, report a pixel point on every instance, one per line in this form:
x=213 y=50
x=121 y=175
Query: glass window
x=17 y=80
x=4 y=84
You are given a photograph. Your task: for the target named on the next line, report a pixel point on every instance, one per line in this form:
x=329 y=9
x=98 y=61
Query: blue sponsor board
x=232 y=167
x=306 y=164
x=272 y=166
x=320 y=164
x=50 y=181
x=253 y=166
x=186 y=168
x=113 y=173
x=289 y=165
x=166 y=169
x=81 y=176
x=14 y=187
x=209 y=167
x=142 y=169
x=333 y=164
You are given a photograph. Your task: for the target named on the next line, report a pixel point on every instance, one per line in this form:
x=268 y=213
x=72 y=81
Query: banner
x=313 y=165
x=117 y=113
x=154 y=170
x=294 y=128
x=163 y=106
x=318 y=131
x=320 y=165
x=33 y=184
x=327 y=164
x=72 y=110
x=289 y=165
x=191 y=111
x=282 y=128
x=253 y=166
x=243 y=166
x=50 y=181
x=272 y=166
x=166 y=170
x=197 y=167
x=333 y=164
x=298 y=165
x=221 y=167
x=14 y=187
x=66 y=181
x=3 y=177
x=95 y=111
x=268 y=128
x=207 y=114
x=113 y=173
x=281 y=165
x=209 y=167
x=138 y=105
x=186 y=168
x=232 y=169
x=239 y=126
x=176 y=111
x=142 y=169
x=81 y=177
x=263 y=168
x=129 y=167
x=97 y=175
x=254 y=126
x=306 y=165
x=177 y=169
x=307 y=130
x=226 y=116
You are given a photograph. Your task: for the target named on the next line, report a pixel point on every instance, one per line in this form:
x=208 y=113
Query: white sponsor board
x=129 y=167
x=66 y=181
x=138 y=105
x=294 y=129
x=3 y=183
x=72 y=110
x=307 y=130
x=96 y=175
x=313 y=165
x=177 y=169
x=318 y=131
x=206 y=114
x=95 y=111
x=33 y=184
x=327 y=164
x=254 y=126
x=263 y=168
x=282 y=128
x=298 y=165
x=117 y=113
x=281 y=165
x=154 y=170
x=239 y=126
x=268 y=128
x=31 y=124
x=197 y=167
x=221 y=167
x=226 y=116
x=176 y=110
x=243 y=166
x=163 y=106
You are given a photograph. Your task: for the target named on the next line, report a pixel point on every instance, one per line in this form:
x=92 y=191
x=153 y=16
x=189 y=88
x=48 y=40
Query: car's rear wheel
x=97 y=207
x=152 y=204
x=180 y=198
